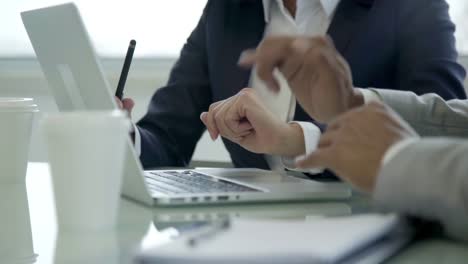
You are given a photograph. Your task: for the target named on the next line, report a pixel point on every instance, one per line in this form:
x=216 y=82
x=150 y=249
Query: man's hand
x=244 y=120
x=318 y=76
x=355 y=143
x=126 y=104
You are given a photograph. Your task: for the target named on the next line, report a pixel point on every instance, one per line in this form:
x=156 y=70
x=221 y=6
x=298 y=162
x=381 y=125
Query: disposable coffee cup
x=16 y=116
x=87 y=247
x=16 y=244
x=86 y=155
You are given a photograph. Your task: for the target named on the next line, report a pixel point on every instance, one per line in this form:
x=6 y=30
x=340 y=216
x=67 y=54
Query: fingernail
x=213 y=135
x=202 y=115
x=244 y=58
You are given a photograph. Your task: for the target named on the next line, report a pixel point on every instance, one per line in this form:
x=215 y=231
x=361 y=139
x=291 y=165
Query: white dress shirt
x=312 y=18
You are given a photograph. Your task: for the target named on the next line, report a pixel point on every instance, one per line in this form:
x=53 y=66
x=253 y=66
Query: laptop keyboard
x=183 y=182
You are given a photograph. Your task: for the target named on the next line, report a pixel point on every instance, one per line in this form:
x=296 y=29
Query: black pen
x=125 y=69
x=211 y=231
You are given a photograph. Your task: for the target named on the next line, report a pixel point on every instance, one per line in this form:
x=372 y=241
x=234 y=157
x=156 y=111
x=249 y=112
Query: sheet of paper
x=322 y=240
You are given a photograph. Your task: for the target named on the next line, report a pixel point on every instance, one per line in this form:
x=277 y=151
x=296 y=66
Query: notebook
x=326 y=240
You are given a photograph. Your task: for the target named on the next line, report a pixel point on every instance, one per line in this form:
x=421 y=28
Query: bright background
x=160 y=28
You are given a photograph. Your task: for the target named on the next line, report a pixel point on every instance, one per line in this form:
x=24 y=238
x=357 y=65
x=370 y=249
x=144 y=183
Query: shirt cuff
x=370 y=96
x=137 y=139
x=397 y=148
x=311 y=138
x=387 y=183
x=383 y=190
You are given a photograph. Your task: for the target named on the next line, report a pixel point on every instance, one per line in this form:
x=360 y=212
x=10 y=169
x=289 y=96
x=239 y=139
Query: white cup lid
x=12 y=104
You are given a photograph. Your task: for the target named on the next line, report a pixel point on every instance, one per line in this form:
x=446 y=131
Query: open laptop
x=77 y=82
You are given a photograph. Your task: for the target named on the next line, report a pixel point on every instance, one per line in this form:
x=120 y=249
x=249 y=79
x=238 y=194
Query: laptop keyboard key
x=176 y=182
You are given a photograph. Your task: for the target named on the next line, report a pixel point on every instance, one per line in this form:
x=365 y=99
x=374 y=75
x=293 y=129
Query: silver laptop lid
x=75 y=75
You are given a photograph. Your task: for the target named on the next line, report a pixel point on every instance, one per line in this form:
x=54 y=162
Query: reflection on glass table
x=139 y=225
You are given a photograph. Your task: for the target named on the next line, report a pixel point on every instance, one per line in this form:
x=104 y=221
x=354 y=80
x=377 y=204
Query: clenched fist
x=245 y=120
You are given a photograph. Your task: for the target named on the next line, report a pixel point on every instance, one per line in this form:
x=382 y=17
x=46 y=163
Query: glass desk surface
x=30 y=234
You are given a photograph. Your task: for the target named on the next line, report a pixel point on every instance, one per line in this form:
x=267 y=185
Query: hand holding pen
x=126 y=103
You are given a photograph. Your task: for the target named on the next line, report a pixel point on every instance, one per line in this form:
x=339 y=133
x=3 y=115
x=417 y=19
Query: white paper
x=274 y=241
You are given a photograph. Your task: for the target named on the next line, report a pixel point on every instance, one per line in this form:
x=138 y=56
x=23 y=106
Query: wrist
x=290 y=141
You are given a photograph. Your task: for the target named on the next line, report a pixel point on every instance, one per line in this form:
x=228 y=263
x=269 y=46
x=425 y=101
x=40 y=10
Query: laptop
x=77 y=82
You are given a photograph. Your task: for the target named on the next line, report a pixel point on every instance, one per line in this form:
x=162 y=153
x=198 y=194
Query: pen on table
x=211 y=231
x=125 y=69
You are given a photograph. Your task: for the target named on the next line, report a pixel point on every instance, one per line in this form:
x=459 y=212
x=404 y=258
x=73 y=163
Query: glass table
x=29 y=229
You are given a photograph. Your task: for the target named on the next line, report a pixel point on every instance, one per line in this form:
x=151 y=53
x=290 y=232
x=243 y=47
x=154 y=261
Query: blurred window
x=160 y=27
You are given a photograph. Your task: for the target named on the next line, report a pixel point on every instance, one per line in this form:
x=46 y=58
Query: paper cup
x=89 y=248
x=86 y=154
x=16 y=116
x=16 y=245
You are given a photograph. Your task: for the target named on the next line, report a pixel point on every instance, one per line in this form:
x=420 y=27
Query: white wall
x=23 y=77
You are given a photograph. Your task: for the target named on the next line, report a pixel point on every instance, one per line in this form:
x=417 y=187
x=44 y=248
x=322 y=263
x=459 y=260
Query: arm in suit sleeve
x=429 y=179
x=171 y=128
x=429 y=114
x=427 y=56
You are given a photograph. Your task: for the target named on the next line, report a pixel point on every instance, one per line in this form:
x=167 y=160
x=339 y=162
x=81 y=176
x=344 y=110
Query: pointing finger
x=317 y=159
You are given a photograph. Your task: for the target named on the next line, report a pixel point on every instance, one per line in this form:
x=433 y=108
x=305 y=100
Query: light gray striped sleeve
x=429 y=114
x=428 y=178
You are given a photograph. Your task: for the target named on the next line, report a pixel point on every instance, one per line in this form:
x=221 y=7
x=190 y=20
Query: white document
x=323 y=240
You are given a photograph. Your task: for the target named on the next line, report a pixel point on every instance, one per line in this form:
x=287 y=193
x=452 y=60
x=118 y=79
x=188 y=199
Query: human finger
x=327 y=139
x=210 y=122
x=236 y=119
x=220 y=119
x=128 y=105
x=118 y=102
x=320 y=158
x=269 y=55
x=294 y=62
x=247 y=58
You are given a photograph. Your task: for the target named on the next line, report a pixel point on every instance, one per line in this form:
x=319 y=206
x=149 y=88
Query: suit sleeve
x=428 y=179
x=429 y=114
x=427 y=57
x=171 y=127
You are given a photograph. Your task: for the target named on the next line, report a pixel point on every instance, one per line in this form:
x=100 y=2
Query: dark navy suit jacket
x=394 y=44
